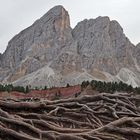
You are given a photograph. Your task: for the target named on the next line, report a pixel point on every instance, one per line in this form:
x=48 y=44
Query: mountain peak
x=51 y=52
x=138 y=45
x=57 y=14
x=57 y=9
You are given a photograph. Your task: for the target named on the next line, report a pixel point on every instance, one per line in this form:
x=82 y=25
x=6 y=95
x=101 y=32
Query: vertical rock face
x=50 y=52
x=51 y=31
x=37 y=45
x=136 y=55
x=103 y=45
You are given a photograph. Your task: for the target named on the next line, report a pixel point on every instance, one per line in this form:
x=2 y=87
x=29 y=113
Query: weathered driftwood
x=98 y=117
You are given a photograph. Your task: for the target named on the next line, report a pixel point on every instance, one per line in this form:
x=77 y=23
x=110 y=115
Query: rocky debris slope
x=97 y=117
x=50 y=52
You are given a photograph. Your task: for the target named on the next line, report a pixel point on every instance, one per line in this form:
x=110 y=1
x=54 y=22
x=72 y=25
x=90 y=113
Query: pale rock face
x=37 y=45
x=136 y=55
x=50 y=53
x=103 y=45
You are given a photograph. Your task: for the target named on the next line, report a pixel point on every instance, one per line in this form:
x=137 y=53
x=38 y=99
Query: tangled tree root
x=98 y=117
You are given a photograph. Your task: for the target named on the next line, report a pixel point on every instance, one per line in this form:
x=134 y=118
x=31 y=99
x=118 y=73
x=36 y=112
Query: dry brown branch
x=98 y=117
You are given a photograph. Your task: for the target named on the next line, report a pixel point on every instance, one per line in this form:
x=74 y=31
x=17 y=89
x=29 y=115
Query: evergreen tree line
x=110 y=87
x=10 y=88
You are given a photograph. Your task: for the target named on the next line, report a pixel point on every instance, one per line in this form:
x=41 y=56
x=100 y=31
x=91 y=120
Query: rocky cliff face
x=51 y=53
x=37 y=45
x=103 y=45
x=136 y=55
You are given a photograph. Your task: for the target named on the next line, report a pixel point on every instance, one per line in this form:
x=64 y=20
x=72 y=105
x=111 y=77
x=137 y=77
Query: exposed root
x=98 y=117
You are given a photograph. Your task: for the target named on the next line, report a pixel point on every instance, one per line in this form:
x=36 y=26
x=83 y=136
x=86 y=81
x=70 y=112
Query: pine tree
x=68 y=85
x=27 y=89
x=45 y=88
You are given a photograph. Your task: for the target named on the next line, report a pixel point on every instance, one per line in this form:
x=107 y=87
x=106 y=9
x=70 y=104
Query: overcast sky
x=15 y=15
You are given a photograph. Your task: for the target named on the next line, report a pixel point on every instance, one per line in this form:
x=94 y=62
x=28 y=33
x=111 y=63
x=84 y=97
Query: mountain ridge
x=93 y=49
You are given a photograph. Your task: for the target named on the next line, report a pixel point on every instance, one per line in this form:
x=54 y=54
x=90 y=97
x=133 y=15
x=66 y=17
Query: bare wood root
x=98 y=117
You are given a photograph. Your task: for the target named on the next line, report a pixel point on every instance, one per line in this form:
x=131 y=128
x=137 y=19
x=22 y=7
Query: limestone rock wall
x=95 y=49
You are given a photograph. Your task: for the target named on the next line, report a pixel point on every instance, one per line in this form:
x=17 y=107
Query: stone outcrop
x=50 y=52
x=37 y=45
x=103 y=45
x=137 y=56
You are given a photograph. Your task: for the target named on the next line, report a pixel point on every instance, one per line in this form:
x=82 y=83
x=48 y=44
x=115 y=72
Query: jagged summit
x=54 y=25
x=138 y=45
x=50 y=52
x=57 y=14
